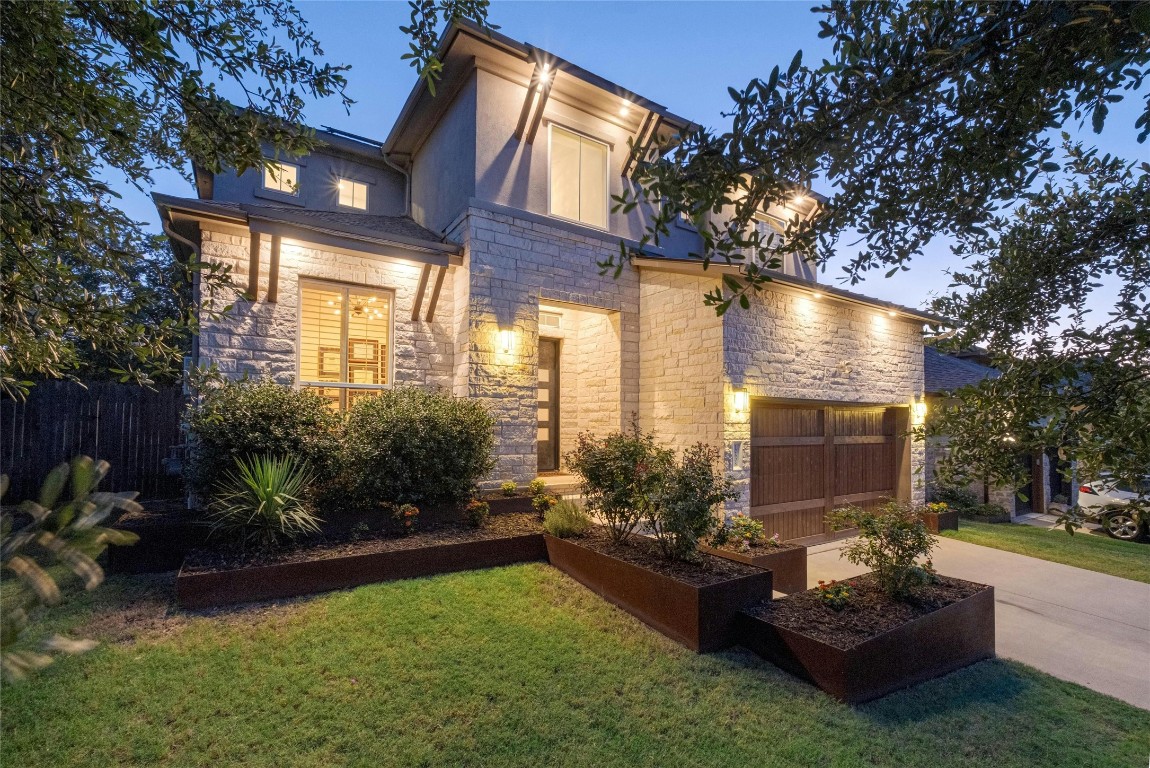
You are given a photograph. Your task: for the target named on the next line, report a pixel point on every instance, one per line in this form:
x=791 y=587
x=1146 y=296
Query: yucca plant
x=65 y=533
x=262 y=503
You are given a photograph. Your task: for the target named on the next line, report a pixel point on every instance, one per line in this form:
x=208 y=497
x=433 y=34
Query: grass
x=1128 y=559
x=511 y=666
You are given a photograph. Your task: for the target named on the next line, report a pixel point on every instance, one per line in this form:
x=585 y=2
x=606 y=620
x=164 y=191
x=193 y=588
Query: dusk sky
x=680 y=54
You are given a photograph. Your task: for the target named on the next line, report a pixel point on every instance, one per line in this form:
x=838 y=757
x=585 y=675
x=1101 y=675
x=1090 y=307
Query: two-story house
x=462 y=252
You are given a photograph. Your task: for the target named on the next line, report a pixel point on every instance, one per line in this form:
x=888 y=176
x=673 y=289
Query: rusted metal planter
x=789 y=565
x=701 y=618
x=941 y=521
x=209 y=589
x=506 y=505
x=930 y=646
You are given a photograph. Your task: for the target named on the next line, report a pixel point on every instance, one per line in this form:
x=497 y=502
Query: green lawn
x=513 y=666
x=1128 y=559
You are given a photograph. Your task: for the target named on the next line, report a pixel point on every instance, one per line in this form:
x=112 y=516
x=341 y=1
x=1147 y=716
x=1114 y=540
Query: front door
x=548 y=436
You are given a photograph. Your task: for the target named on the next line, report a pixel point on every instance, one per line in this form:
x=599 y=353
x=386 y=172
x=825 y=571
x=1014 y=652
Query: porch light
x=741 y=400
x=506 y=337
x=919 y=410
x=623 y=110
x=545 y=74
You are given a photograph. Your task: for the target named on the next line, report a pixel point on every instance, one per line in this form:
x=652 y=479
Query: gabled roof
x=946 y=373
x=398 y=236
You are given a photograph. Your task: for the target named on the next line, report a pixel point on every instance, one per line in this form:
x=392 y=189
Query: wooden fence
x=133 y=428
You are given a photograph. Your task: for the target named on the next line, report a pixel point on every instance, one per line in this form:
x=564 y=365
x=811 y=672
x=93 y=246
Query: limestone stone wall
x=516 y=263
x=791 y=345
x=259 y=338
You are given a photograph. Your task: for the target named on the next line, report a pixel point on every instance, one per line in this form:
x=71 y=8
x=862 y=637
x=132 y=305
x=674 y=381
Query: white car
x=1109 y=502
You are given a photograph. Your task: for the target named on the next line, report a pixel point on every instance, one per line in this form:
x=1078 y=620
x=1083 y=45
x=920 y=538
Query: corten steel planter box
x=930 y=646
x=208 y=589
x=789 y=566
x=506 y=505
x=941 y=521
x=701 y=618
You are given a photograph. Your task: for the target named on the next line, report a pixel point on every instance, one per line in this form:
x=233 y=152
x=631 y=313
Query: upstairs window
x=353 y=194
x=282 y=177
x=578 y=178
x=344 y=340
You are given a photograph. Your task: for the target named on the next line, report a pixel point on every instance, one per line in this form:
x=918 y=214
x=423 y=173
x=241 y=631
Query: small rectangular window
x=353 y=194
x=282 y=177
x=578 y=178
x=345 y=340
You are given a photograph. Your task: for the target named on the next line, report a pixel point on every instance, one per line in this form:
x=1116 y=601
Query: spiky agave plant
x=65 y=532
x=262 y=502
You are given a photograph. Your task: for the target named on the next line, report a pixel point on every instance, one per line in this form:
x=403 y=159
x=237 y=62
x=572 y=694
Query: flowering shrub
x=477 y=512
x=408 y=516
x=937 y=507
x=892 y=537
x=509 y=488
x=836 y=594
x=537 y=487
x=543 y=502
x=742 y=533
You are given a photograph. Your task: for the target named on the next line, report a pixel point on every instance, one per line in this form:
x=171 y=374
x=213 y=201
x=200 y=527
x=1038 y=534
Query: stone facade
x=258 y=338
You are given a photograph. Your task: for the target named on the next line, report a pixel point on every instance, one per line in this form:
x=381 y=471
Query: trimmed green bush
x=238 y=420
x=959 y=499
x=416 y=446
x=891 y=539
x=262 y=503
x=684 y=508
x=565 y=519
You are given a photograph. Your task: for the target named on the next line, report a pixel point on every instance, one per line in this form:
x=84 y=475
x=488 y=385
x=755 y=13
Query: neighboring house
x=946 y=373
x=462 y=252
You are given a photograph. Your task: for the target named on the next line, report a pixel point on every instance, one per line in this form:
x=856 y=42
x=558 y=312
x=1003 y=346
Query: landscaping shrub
x=987 y=512
x=742 y=533
x=262 y=503
x=477 y=512
x=620 y=475
x=543 y=502
x=960 y=499
x=509 y=488
x=537 y=487
x=236 y=420
x=408 y=516
x=683 y=509
x=566 y=519
x=835 y=594
x=416 y=446
x=892 y=537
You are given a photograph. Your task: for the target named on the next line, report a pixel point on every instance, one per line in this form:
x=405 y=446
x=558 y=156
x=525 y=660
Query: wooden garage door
x=808 y=459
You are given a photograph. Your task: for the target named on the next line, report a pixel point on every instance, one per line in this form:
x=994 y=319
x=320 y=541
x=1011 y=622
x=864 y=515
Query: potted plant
x=938 y=516
x=743 y=539
x=629 y=482
x=895 y=626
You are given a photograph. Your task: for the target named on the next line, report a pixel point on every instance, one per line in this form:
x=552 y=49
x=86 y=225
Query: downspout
x=406 y=178
x=166 y=225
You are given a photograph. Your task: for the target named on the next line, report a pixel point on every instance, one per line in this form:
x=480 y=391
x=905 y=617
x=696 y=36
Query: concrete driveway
x=1085 y=627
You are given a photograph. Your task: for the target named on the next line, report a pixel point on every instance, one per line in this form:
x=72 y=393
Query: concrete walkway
x=1085 y=627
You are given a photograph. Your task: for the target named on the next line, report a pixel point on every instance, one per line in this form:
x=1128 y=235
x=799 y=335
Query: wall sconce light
x=919 y=409
x=891 y=313
x=741 y=400
x=506 y=337
x=817 y=295
x=545 y=74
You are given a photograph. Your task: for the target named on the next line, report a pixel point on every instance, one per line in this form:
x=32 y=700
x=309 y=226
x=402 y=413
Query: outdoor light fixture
x=545 y=74
x=919 y=409
x=623 y=110
x=891 y=312
x=741 y=401
x=799 y=199
x=505 y=339
x=817 y=295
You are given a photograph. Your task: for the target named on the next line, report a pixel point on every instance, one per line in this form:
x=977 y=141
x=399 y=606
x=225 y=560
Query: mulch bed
x=765 y=549
x=314 y=548
x=645 y=553
x=870 y=612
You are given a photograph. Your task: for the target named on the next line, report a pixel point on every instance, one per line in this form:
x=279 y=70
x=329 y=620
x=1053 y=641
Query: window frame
x=343 y=386
x=276 y=190
x=349 y=180
x=582 y=136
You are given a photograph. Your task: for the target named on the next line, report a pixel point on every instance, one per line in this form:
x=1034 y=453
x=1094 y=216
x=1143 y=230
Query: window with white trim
x=353 y=194
x=578 y=178
x=344 y=340
x=282 y=177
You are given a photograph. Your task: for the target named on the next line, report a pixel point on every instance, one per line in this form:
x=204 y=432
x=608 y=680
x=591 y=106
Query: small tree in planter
x=683 y=511
x=892 y=537
x=620 y=475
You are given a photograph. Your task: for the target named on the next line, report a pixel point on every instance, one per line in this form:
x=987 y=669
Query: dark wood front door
x=548 y=435
x=809 y=459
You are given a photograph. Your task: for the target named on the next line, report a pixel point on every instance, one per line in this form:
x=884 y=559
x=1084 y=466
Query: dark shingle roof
x=946 y=373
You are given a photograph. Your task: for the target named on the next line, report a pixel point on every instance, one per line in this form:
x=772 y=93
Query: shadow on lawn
x=987 y=685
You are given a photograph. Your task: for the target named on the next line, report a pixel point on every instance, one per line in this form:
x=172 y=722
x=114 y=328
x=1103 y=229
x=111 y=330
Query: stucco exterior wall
x=515 y=263
x=259 y=338
x=443 y=170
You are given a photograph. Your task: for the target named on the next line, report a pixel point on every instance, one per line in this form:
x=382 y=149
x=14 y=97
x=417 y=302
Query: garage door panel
x=863 y=468
x=794 y=524
x=768 y=421
x=863 y=421
x=787 y=473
